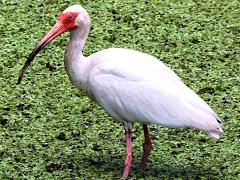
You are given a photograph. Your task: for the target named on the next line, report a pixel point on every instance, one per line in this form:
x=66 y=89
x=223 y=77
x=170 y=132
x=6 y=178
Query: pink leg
x=147 y=146
x=128 y=160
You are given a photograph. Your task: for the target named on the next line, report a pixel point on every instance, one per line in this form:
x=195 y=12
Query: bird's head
x=71 y=19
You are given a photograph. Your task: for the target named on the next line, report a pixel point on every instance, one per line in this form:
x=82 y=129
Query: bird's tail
x=216 y=133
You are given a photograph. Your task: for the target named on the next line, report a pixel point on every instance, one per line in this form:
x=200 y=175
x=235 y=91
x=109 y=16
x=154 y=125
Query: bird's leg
x=147 y=146
x=128 y=139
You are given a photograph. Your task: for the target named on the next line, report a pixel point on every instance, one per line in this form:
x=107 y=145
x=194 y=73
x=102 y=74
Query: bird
x=130 y=86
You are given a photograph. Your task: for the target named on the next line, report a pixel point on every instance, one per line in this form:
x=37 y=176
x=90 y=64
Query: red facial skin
x=68 y=19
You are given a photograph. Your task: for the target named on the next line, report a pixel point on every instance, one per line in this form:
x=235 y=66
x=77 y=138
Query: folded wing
x=139 y=88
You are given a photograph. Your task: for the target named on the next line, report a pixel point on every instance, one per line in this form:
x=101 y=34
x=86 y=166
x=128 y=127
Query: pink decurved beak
x=57 y=30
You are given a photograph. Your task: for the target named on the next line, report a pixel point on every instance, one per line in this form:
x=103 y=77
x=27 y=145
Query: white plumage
x=136 y=87
x=131 y=86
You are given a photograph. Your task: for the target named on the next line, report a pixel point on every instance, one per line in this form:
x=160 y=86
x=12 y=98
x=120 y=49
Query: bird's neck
x=74 y=61
x=77 y=41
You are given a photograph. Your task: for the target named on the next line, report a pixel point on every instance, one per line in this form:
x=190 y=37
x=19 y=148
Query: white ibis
x=131 y=86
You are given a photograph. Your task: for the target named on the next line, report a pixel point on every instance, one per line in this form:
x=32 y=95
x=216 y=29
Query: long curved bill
x=57 y=30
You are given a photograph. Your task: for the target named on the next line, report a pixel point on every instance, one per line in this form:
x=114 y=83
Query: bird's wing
x=147 y=93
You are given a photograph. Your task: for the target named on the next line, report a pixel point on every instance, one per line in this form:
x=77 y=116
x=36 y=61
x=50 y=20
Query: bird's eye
x=70 y=17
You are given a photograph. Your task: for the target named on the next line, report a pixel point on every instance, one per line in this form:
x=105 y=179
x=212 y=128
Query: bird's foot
x=147 y=146
x=128 y=162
